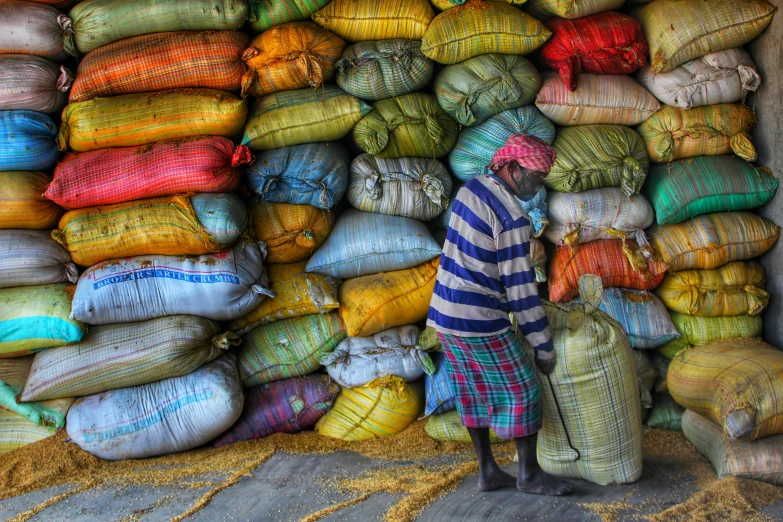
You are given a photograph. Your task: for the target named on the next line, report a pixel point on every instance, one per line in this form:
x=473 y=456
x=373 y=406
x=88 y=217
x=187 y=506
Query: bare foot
x=540 y=483
x=496 y=479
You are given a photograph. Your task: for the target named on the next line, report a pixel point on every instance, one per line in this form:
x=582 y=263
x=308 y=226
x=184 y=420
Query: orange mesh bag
x=292 y=233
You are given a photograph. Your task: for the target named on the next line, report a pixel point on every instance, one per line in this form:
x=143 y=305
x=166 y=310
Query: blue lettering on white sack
x=217 y=277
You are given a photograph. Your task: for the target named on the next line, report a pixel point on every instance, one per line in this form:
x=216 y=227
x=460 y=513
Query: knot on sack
x=758 y=299
x=323 y=195
x=59 y=236
x=250 y=52
x=372 y=134
x=632 y=177
x=65 y=80
x=242 y=156
x=268 y=184
x=226 y=340
x=311 y=64
x=308 y=234
x=742 y=146
x=636 y=55
x=506 y=89
x=402 y=57
x=69 y=41
x=749 y=77
x=571 y=234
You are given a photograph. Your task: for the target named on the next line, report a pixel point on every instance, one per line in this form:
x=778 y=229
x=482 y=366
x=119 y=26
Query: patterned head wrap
x=527 y=151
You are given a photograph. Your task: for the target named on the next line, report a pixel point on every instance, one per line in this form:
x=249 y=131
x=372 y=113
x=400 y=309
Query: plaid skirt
x=495 y=383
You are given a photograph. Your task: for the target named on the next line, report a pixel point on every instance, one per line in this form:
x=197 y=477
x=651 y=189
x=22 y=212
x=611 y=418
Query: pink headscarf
x=527 y=151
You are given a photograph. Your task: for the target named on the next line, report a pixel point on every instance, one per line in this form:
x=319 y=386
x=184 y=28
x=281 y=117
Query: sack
x=13 y=375
x=123 y=355
x=595 y=371
x=363 y=243
x=712 y=240
x=32 y=257
x=373 y=303
x=733 y=289
x=28 y=140
x=734 y=383
x=220 y=287
x=159 y=418
x=30 y=28
x=288 y=348
x=32 y=83
x=678 y=30
x=473 y=91
x=598 y=156
x=37 y=317
x=695 y=331
x=311 y=174
x=674 y=133
x=666 y=414
x=302 y=116
x=722 y=77
x=581 y=217
x=645 y=374
x=543 y=9
x=377 y=20
x=162 y=61
x=23 y=203
x=294 y=293
x=447 y=427
x=476 y=146
x=288 y=406
x=16 y=431
x=598 y=99
x=137 y=119
x=358 y=360
x=291 y=232
x=661 y=365
x=448 y=4
x=378 y=409
x=605 y=43
x=618 y=264
x=384 y=69
x=478 y=27
x=96 y=23
x=411 y=125
x=439 y=393
x=265 y=14
x=290 y=56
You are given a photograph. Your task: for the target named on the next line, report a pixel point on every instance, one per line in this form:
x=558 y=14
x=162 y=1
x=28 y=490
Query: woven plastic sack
x=598 y=156
x=378 y=409
x=138 y=119
x=96 y=23
x=364 y=243
x=678 y=31
x=438 y=389
x=667 y=414
x=32 y=83
x=37 y=317
x=288 y=348
x=447 y=427
x=482 y=27
x=543 y=9
x=712 y=240
x=383 y=69
x=28 y=141
x=291 y=232
x=376 y=20
x=696 y=331
x=290 y=56
x=265 y=14
x=733 y=289
x=373 y=303
x=295 y=293
x=410 y=125
x=174 y=225
x=476 y=146
x=473 y=91
x=220 y=287
x=310 y=174
x=17 y=432
x=598 y=99
x=23 y=204
x=302 y=116
x=448 y=4
x=722 y=77
x=161 y=61
x=618 y=264
x=13 y=375
x=159 y=418
x=646 y=375
x=605 y=43
x=30 y=28
x=288 y=406
x=358 y=360
x=32 y=257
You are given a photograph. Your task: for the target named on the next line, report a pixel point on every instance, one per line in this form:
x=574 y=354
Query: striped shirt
x=485 y=270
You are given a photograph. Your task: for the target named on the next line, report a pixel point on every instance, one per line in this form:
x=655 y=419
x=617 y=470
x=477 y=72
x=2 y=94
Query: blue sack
x=28 y=141
x=438 y=392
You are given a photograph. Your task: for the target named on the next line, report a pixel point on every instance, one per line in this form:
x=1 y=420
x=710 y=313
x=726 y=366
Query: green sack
x=702 y=330
x=265 y=14
x=665 y=414
x=447 y=427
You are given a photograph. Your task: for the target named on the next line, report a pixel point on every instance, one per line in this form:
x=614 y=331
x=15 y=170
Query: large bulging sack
x=447 y=427
x=696 y=331
x=17 y=432
x=28 y=141
x=288 y=406
x=159 y=418
x=138 y=119
x=200 y=164
x=382 y=69
x=265 y=14
x=32 y=257
x=358 y=360
x=439 y=391
x=377 y=20
x=291 y=232
x=22 y=203
x=444 y=5
x=364 y=243
x=570 y=9
x=123 y=355
x=31 y=28
x=161 y=61
x=32 y=83
x=220 y=287
x=174 y=225
x=13 y=376
x=96 y=23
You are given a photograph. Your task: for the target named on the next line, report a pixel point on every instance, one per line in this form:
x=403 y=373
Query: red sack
x=605 y=43
x=108 y=176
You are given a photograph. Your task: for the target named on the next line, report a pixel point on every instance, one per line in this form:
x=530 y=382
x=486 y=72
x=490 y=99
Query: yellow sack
x=376 y=19
x=380 y=408
x=695 y=331
x=448 y=4
x=733 y=289
x=22 y=204
x=17 y=432
x=571 y=9
x=13 y=376
x=734 y=383
x=377 y=302
x=292 y=233
x=447 y=427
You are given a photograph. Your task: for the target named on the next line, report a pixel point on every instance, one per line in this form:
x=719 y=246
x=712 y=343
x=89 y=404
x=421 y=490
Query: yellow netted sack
x=447 y=427
x=22 y=204
x=292 y=233
x=17 y=432
x=376 y=19
x=380 y=408
x=13 y=376
x=377 y=302
x=696 y=331
x=734 y=383
x=448 y=4
x=544 y=9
